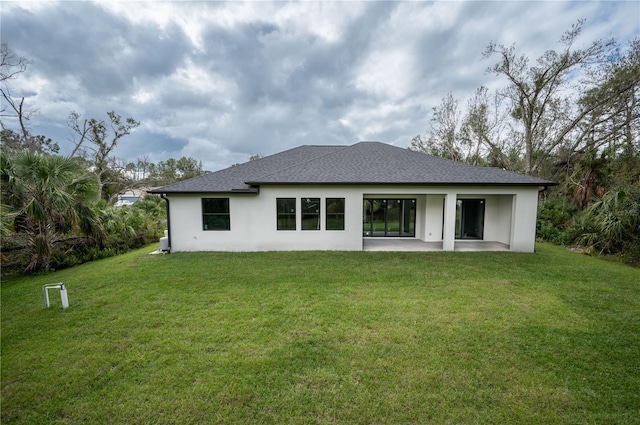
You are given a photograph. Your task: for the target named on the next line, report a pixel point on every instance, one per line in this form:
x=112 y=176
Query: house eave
x=251 y=191
x=255 y=189
x=354 y=183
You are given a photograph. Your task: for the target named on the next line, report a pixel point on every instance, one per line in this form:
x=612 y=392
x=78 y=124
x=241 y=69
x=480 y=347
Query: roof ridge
x=342 y=147
x=278 y=154
x=268 y=156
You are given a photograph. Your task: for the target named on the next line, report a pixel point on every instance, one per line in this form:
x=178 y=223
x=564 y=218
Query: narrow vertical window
x=215 y=214
x=335 y=214
x=286 y=211
x=310 y=213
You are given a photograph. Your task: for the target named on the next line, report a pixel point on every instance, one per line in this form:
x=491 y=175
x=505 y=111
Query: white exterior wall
x=253 y=222
x=433 y=218
x=510 y=217
x=503 y=215
x=523 y=225
x=497 y=216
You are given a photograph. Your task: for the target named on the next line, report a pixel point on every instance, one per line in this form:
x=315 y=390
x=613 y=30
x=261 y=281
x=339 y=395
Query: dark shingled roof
x=362 y=163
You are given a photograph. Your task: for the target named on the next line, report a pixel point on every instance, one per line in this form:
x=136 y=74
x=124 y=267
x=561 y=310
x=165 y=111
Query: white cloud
x=387 y=74
x=409 y=18
x=326 y=20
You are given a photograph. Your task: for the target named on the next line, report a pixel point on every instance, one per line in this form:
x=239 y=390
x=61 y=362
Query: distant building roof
x=362 y=163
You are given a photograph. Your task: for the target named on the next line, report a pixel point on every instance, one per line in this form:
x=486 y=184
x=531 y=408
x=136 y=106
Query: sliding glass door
x=470 y=219
x=389 y=217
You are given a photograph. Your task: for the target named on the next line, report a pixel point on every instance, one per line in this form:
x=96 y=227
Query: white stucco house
x=343 y=197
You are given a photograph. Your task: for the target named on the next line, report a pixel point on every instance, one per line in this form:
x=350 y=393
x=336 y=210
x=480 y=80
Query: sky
x=222 y=81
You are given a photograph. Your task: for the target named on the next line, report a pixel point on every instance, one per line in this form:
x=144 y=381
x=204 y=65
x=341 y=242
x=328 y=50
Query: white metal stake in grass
x=63 y=294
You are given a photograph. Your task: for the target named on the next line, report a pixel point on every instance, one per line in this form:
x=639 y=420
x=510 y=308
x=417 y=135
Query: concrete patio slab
x=407 y=244
x=480 y=246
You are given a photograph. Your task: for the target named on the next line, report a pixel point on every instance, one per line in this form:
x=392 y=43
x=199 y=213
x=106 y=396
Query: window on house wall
x=335 y=214
x=310 y=212
x=215 y=214
x=286 y=211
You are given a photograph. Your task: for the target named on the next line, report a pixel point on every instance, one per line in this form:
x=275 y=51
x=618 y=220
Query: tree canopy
x=571 y=115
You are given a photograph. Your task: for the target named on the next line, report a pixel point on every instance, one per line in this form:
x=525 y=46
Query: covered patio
x=450 y=219
x=406 y=244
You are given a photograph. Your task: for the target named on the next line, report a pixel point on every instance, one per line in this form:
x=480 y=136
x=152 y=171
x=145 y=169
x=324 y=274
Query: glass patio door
x=378 y=217
x=470 y=219
x=388 y=217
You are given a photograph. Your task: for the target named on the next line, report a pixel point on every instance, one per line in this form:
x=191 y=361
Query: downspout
x=168 y=220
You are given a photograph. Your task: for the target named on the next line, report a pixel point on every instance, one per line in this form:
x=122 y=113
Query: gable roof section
x=362 y=163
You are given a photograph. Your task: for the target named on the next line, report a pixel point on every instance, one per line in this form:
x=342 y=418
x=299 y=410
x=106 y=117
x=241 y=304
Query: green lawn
x=326 y=338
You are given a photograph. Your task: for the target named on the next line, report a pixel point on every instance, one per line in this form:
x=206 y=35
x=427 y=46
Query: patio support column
x=449 y=231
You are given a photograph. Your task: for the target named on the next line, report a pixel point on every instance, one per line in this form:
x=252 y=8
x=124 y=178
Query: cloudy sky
x=223 y=81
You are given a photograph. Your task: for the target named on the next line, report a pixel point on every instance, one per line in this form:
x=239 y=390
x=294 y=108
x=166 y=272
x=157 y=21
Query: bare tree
x=545 y=96
x=80 y=128
x=102 y=138
x=483 y=130
x=11 y=67
x=17 y=110
x=479 y=136
x=443 y=133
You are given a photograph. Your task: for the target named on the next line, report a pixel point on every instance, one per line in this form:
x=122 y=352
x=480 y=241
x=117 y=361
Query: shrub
x=555 y=221
x=612 y=224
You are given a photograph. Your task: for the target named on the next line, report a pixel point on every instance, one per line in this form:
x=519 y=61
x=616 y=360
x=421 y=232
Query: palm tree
x=589 y=175
x=153 y=207
x=612 y=224
x=49 y=198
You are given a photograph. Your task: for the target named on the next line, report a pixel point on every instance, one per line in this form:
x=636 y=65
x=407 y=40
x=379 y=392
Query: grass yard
x=326 y=338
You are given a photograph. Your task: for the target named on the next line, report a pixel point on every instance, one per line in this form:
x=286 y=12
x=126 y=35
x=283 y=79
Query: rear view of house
x=345 y=197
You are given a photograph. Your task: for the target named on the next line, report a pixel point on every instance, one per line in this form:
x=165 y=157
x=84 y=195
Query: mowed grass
x=326 y=338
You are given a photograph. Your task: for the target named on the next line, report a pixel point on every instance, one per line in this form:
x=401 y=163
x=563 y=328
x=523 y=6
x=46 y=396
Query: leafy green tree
x=165 y=172
x=188 y=168
x=172 y=170
x=50 y=199
x=10 y=142
x=138 y=170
